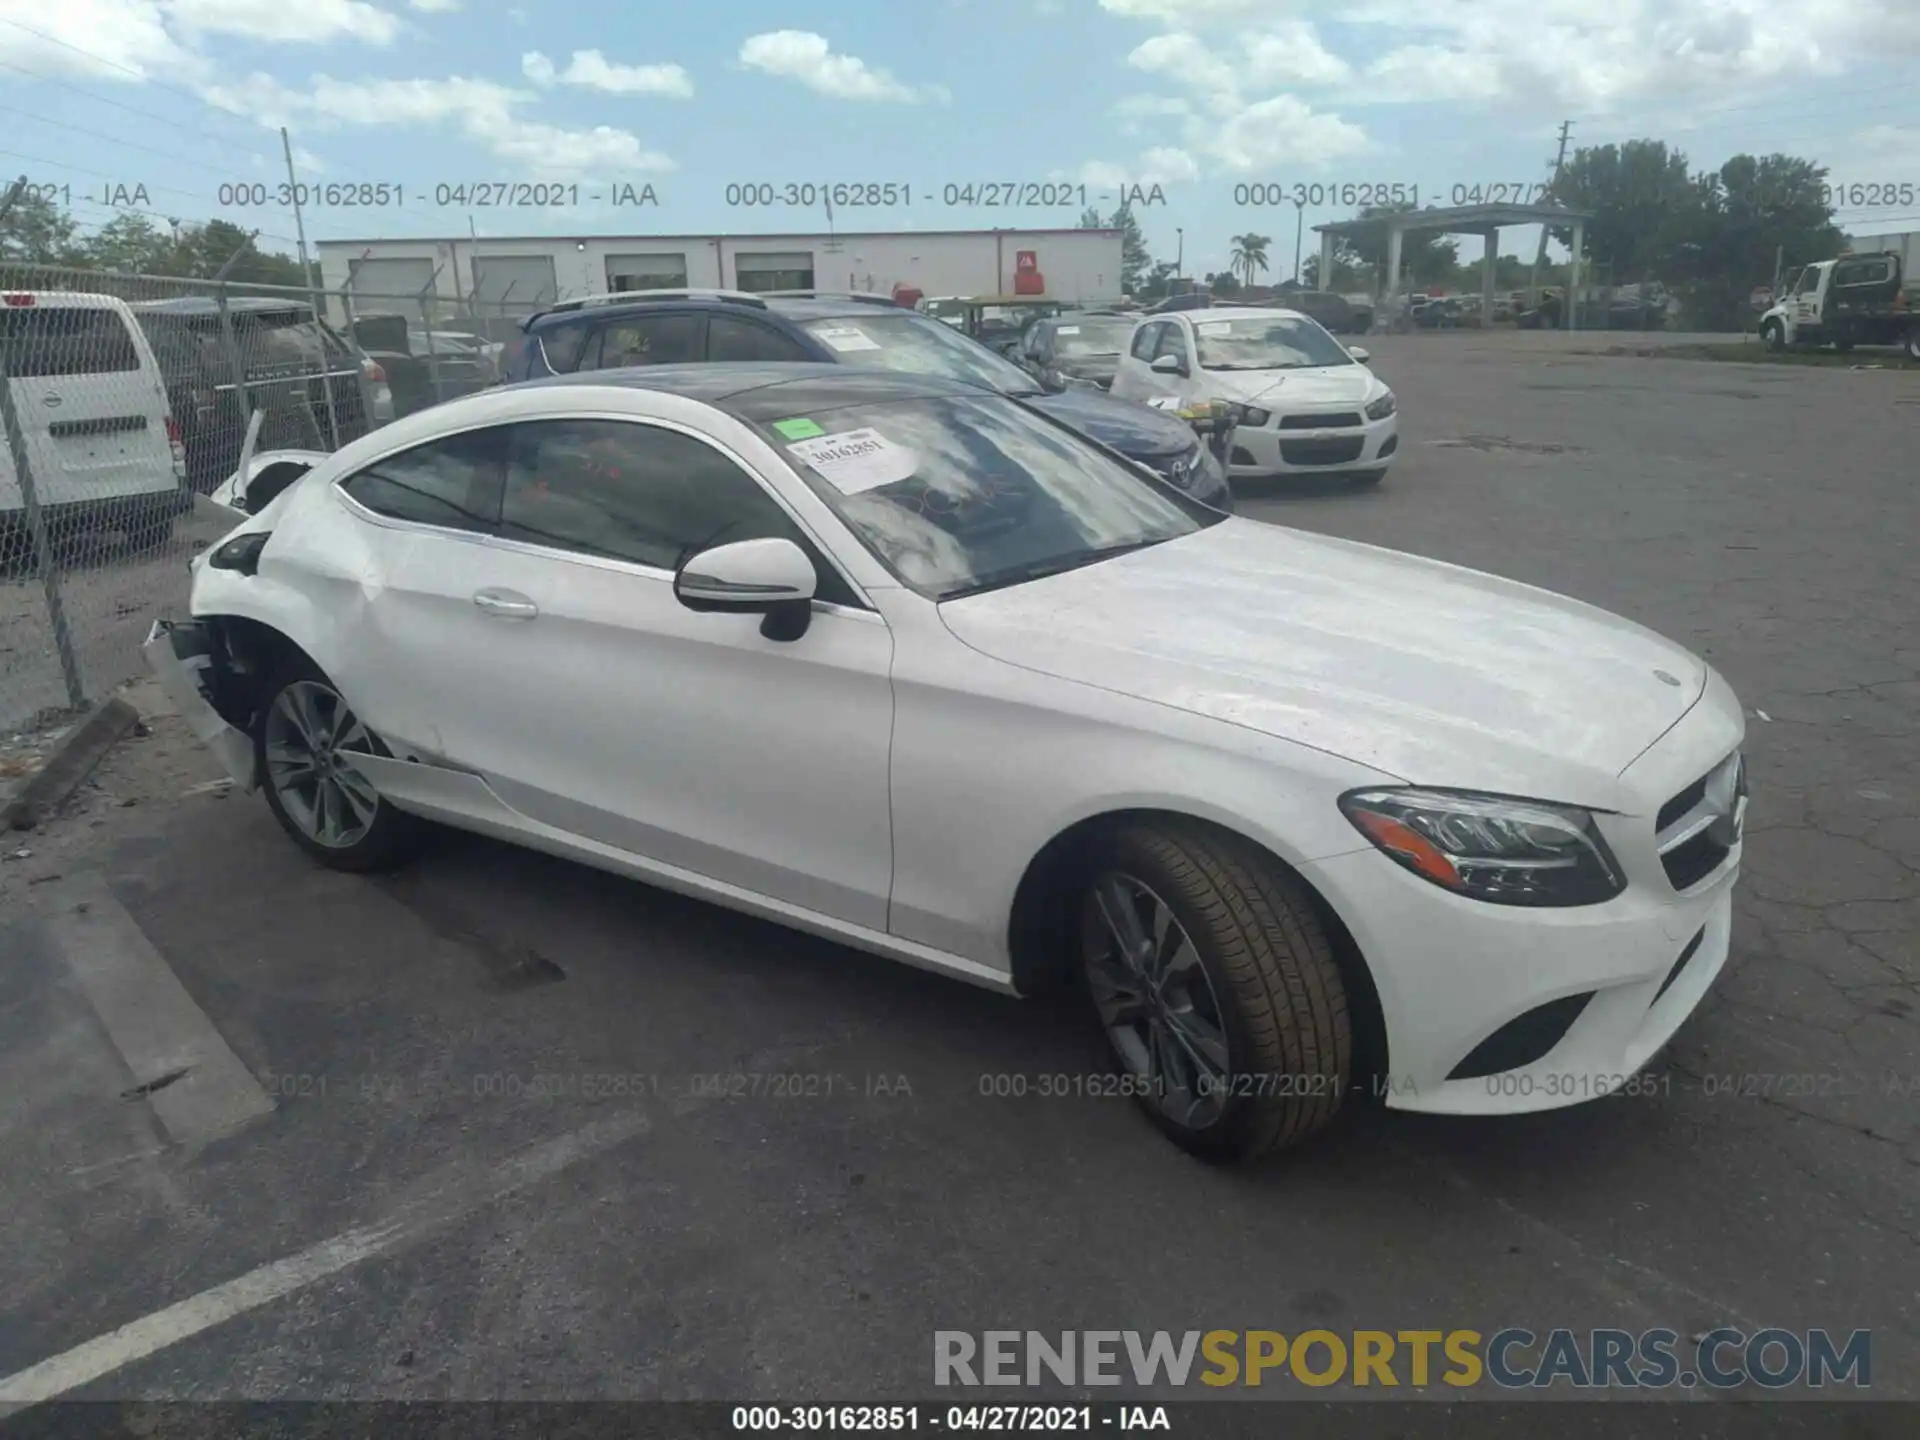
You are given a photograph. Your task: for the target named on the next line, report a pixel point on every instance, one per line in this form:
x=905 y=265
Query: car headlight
x=1381 y=408
x=1252 y=417
x=1488 y=847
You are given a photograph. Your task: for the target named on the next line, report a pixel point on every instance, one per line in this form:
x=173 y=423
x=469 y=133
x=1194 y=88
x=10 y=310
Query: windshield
x=1092 y=337
x=956 y=496
x=922 y=347
x=1266 y=342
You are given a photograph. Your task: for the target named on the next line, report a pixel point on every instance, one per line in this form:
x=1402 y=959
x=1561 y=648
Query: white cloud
x=435 y=7
x=803 y=56
x=286 y=20
x=483 y=110
x=306 y=160
x=1284 y=131
x=102 y=39
x=592 y=70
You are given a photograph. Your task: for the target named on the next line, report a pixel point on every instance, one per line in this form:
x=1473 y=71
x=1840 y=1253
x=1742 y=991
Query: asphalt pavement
x=531 y=1131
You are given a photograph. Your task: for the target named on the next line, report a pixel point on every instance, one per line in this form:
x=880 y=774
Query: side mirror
x=1168 y=365
x=1360 y=353
x=771 y=577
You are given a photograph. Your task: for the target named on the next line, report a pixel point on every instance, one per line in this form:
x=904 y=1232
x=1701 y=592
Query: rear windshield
x=901 y=341
x=65 y=340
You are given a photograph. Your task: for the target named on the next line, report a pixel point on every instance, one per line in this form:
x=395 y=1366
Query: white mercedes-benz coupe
x=910 y=665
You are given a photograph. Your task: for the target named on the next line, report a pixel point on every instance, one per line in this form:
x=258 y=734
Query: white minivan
x=100 y=438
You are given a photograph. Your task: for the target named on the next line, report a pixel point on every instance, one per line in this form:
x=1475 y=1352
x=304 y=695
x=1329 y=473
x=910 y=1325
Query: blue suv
x=693 y=327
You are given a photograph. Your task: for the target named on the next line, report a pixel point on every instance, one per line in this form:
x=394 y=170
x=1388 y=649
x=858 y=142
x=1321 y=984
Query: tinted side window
x=630 y=492
x=1172 y=342
x=453 y=483
x=733 y=340
x=670 y=339
x=563 y=345
x=1144 y=340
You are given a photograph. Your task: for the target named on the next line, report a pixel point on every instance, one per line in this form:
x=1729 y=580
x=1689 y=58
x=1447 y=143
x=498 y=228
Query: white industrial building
x=513 y=275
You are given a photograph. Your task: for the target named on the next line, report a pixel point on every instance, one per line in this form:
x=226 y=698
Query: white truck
x=1854 y=300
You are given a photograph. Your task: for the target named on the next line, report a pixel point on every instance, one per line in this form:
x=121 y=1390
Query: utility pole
x=300 y=226
x=1540 y=255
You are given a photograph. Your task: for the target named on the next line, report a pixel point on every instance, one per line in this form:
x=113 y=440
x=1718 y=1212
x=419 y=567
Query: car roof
x=206 y=305
x=1255 y=312
x=801 y=385
x=795 y=307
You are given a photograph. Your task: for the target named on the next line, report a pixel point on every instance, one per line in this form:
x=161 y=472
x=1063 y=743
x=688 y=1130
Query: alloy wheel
x=311 y=739
x=1156 y=1001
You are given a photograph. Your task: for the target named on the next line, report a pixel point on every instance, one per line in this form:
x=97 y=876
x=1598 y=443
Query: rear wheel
x=305 y=745
x=1217 y=989
x=1912 y=345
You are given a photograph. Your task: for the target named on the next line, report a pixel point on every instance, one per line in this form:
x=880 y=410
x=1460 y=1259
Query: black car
x=731 y=327
x=1331 y=311
x=1081 y=345
x=295 y=368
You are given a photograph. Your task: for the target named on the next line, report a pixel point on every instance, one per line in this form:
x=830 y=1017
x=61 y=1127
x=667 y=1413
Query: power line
x=45 y=79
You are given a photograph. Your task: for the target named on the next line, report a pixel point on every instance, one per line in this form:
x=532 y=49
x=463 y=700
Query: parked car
x=317 y=388
x=895 y=660
x=731 y=327
x=1192 y=300
x=1363 y=311
x=1331 y=311
x=1077 y=346
x=102 y=443
x=1306 y=403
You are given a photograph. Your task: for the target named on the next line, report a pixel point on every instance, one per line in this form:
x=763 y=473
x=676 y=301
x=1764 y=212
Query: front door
x=596 y=703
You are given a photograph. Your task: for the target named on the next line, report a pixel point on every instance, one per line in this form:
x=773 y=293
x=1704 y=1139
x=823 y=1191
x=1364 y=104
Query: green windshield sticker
x=798 y=429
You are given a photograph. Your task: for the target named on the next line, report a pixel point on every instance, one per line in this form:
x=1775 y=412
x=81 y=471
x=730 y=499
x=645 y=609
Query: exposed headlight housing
x=1490 y=847
x=241 y=553
x=1253 y=417
x=1381 y=408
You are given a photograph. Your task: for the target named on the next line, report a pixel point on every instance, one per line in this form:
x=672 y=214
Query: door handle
x=508 y=604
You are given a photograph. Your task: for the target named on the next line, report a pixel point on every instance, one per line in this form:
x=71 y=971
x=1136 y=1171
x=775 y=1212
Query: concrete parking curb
x=71 y=762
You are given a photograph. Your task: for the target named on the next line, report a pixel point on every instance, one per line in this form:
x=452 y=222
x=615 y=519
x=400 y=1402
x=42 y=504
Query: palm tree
x=1249 y=254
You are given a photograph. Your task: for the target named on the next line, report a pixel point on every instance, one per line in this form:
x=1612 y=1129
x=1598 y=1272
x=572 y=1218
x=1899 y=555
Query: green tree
x=1249 y=255
x=1158 y=283
x=1723 y=242
x=1223 y=284
x=130 y=244
x=36 y=231
x=1632 y=192
x=1134 y=258
x=1090 y=219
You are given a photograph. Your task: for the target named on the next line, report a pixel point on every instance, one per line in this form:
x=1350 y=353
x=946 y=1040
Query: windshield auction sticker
x=846 y=337
x=855 y=461
x=1215 y=327
x=798 y=428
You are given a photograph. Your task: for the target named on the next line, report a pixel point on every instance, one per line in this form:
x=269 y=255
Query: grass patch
x=1752 y=352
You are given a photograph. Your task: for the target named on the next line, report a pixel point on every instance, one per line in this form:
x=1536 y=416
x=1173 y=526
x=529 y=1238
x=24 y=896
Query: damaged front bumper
x=181 y=656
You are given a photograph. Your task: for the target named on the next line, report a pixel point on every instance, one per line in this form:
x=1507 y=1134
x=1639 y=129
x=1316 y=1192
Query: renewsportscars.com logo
x=1511 y=1359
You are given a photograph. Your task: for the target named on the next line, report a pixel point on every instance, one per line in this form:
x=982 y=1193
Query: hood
x=1132 y=429
x=1272 y=389
x=1435 y=674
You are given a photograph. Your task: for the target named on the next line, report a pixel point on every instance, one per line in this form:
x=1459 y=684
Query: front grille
x=1697 y=829
x=1345 y=420
x=1322 y=452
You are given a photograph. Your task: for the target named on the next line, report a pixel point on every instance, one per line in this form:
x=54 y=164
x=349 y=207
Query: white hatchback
x=1306 y=404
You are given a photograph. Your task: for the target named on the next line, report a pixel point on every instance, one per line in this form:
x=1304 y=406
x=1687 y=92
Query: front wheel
x=1774 y=336
x=306 y=744
x=1217 y=989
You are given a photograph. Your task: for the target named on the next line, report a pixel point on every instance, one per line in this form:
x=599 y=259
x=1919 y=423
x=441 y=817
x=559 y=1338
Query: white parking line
x=457 y=1193
x=203 y=1089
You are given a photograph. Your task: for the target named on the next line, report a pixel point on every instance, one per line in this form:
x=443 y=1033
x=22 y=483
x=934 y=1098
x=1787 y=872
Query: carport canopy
x=1485 y=221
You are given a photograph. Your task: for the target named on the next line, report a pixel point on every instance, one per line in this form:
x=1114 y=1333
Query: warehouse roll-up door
x=792 y=271
x=513 y=284
x=647 y=272
x=388 y=279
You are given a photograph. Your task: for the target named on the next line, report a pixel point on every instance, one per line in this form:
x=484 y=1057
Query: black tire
x=1273 y=988
x=390 y=839
x=1773 y=335
x=1912 y=345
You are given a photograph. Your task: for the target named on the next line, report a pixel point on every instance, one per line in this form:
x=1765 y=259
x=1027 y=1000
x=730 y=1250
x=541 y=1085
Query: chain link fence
x=125 y=402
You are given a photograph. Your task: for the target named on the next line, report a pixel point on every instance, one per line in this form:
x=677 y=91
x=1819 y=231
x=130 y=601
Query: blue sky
x=1195 y=96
